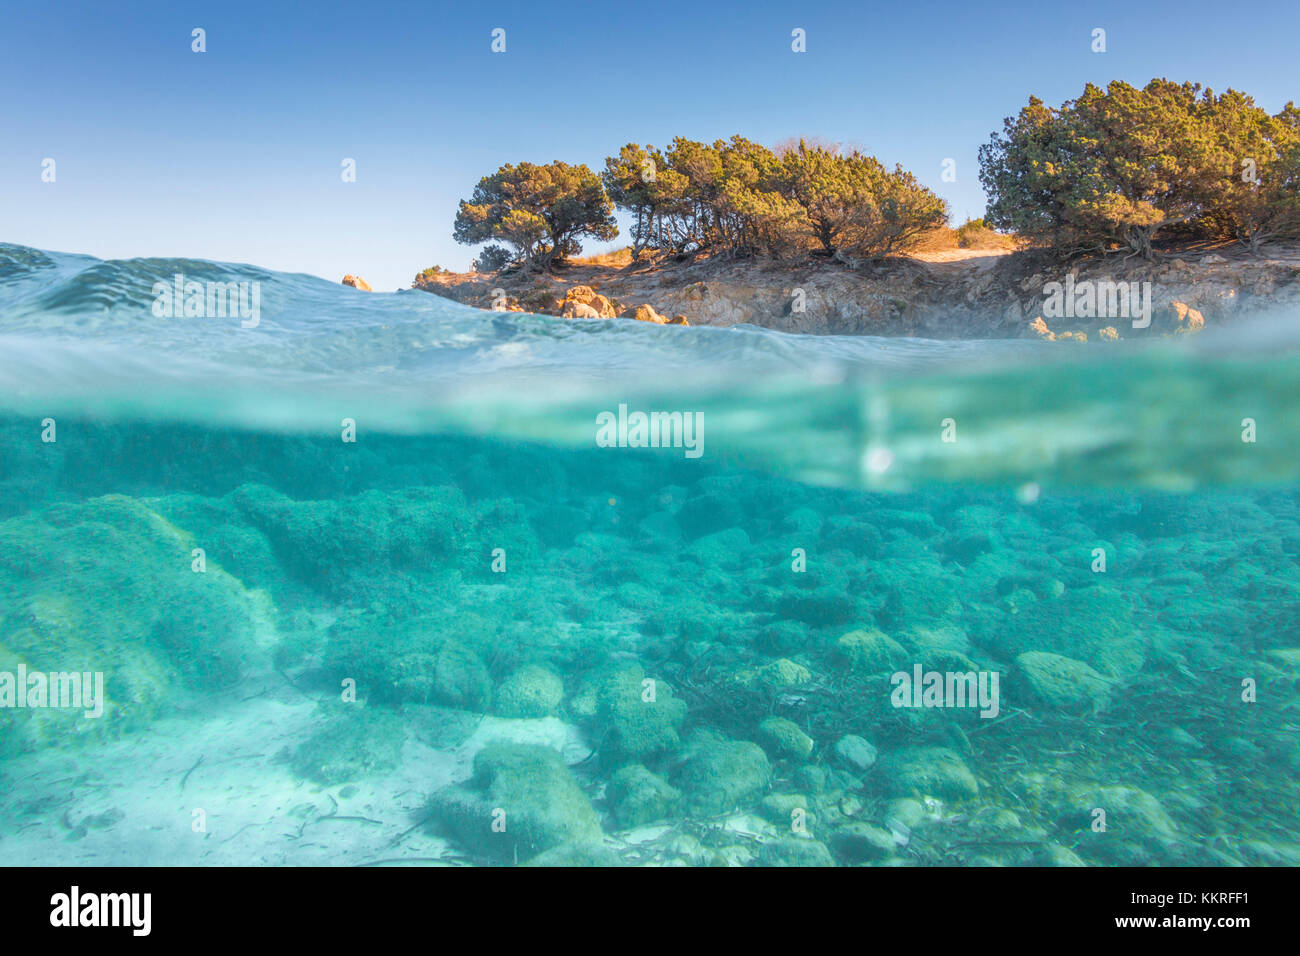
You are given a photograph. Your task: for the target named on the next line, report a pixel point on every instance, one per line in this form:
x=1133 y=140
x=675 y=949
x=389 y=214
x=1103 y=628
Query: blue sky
x=235 y=154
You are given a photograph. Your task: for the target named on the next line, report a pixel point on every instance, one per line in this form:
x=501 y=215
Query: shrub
x=492 y=258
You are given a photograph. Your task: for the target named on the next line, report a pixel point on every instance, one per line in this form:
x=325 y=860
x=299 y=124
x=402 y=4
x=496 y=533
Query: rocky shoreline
x=961 y=294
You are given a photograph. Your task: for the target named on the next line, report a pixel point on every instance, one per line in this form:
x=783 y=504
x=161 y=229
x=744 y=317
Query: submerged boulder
x=1061 y=683
x=927 y=771
x=520 y=802
x=784 y=739
x=870 y=652
x=638 y=716
x=636 y=796
x=719 y=775
x=110 y=587
x=531 y=691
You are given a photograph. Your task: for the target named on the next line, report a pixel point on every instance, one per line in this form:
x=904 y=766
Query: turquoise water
x=365 y=585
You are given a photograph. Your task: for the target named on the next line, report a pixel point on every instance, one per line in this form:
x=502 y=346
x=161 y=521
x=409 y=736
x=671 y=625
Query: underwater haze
x=346 y=578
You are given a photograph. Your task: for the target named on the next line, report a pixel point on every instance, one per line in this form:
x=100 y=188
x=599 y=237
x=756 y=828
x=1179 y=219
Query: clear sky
x=235 y=154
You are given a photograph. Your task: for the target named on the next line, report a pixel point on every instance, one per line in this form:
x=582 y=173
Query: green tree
x=1258 y=195
x=543 y=212
x=1116 y=167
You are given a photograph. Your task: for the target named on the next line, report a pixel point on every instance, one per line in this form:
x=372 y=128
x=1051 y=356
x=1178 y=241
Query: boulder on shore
x=357 y=283
x=645 y=313
x=584 y=302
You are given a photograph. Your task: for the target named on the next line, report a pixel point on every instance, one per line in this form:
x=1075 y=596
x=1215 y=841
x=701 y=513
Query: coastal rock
x=985 y=295
x=1187 y=319
x=584 y=302
x=1039 y=328
x=578 y=310
x=644 y=313
x=357 y=283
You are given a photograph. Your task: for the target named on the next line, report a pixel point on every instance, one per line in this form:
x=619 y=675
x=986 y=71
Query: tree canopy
x=540 y=212
x=1117 y=167
x=738 y=198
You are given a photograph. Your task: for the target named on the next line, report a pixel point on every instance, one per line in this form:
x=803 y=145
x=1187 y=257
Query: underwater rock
x=1138 y=830
x=821 y=607
x=784 y=808
x=1094 y=625
x=870 y=652
x=804 y=522
x=776 y=676
x=918 y=593
x=337 y=545
x=857 y=752
x=576 y=855
x=927 y=771
x=859 y=842
x=458 y=679
x=636 y=796
x=706 y=513
x=638 y=717
x=453 y=676
x=852 y=534
x=783 y=637
x=529 y=794
x=109 y=586
x=1053 y=854
x=1062 y=683
x=718 y=775
x=904 y=813
x=660 y=527
x=722 y=549
x=795 y=851
x=784 y=739
x=531 y=691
